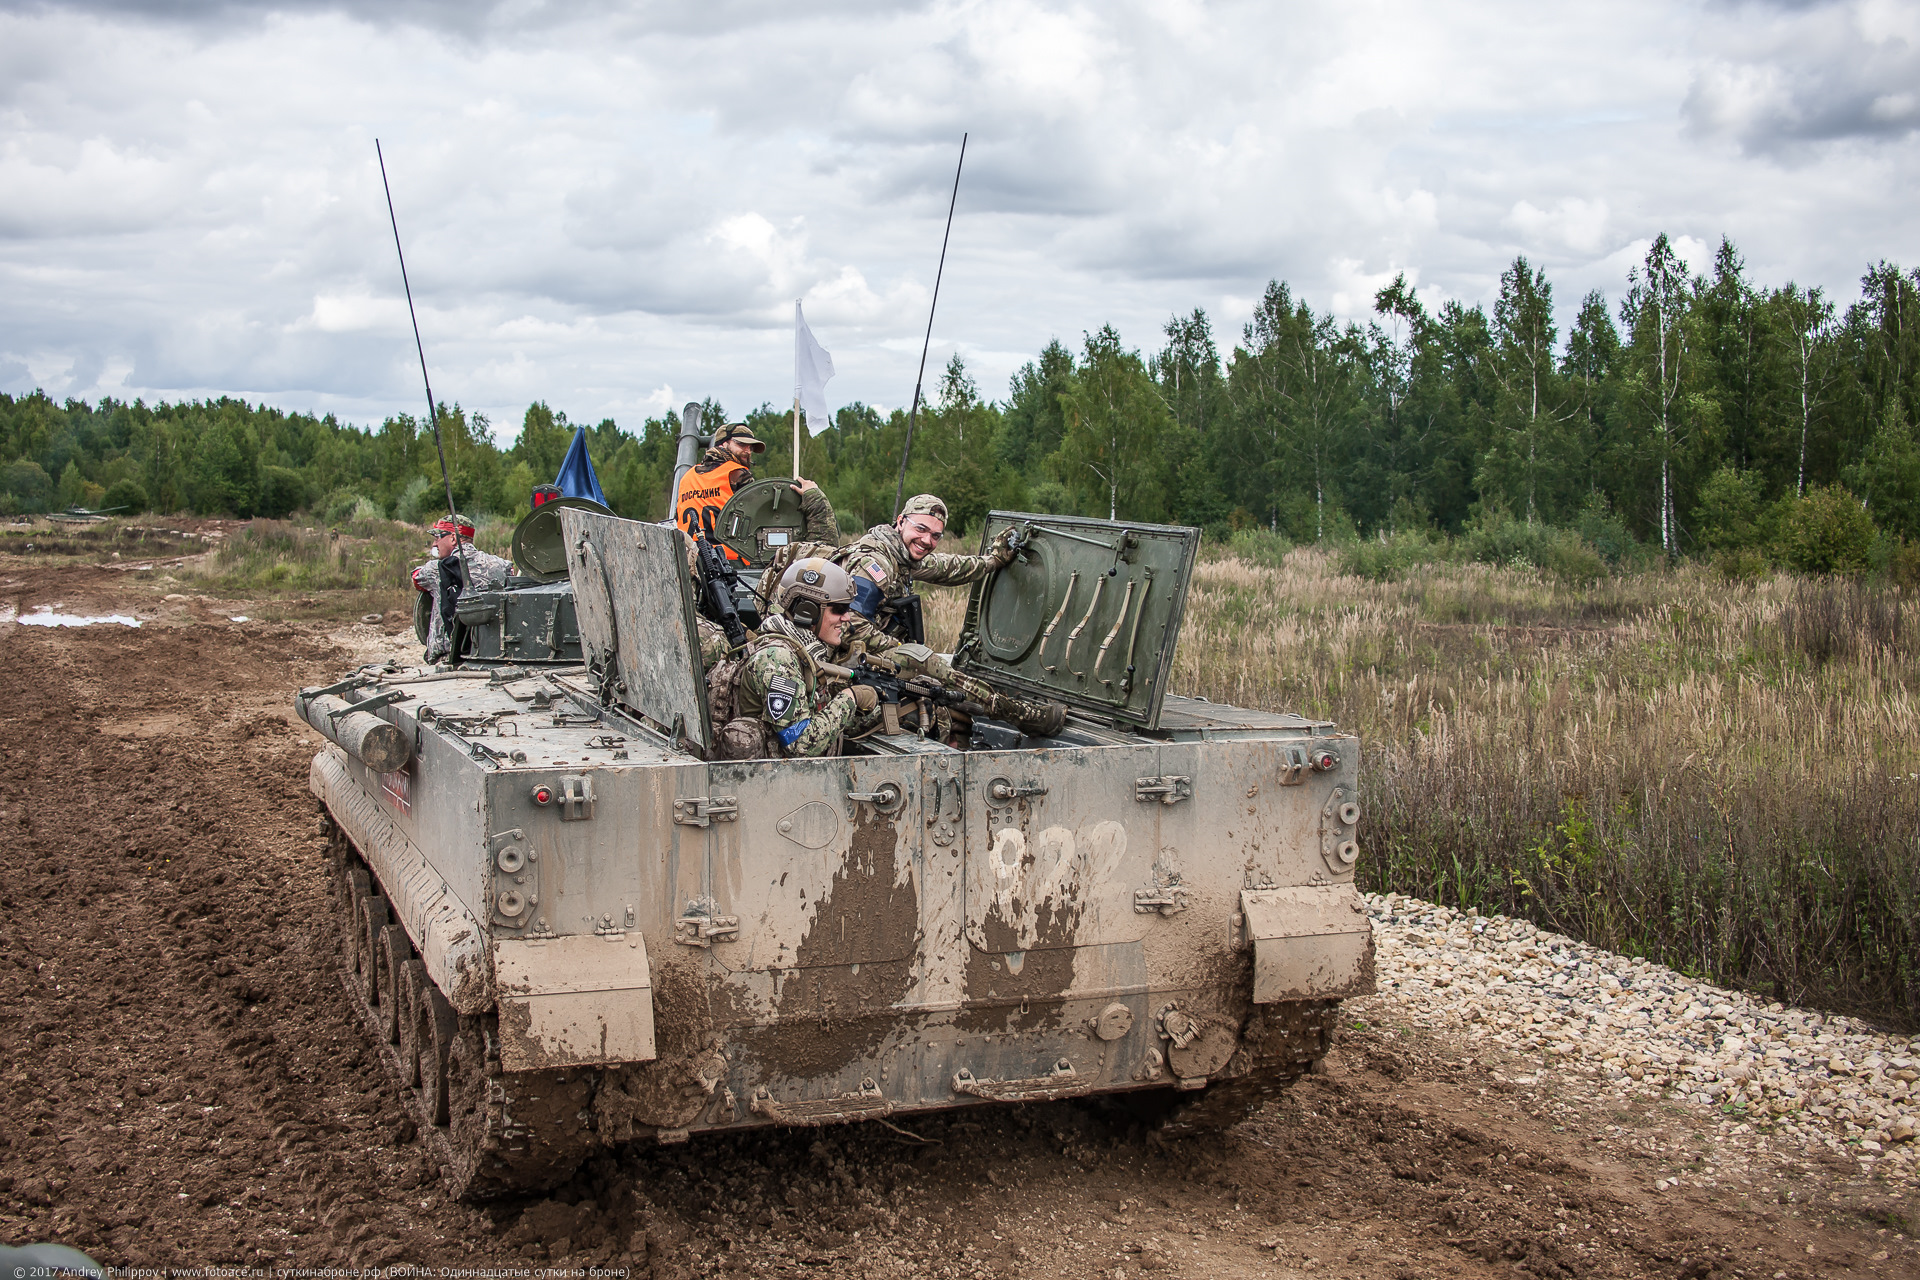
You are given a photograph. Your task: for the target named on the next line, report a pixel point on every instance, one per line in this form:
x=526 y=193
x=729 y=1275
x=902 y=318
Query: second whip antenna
x=906 y=451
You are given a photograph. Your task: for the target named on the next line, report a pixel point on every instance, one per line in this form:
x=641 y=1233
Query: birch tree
x=1115 y=423
x=1804 y=333
x=1660 y=357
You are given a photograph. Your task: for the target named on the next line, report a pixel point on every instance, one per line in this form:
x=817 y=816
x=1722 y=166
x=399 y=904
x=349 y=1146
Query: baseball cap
x=738 y=431
x=925 y=504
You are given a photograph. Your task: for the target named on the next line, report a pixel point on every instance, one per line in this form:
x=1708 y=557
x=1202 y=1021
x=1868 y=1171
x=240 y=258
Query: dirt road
x=184 y=1085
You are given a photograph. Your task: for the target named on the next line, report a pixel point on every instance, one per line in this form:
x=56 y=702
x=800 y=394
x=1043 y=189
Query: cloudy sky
x=612 y=207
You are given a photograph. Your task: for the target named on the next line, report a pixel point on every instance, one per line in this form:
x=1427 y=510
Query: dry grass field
x=1723 y=777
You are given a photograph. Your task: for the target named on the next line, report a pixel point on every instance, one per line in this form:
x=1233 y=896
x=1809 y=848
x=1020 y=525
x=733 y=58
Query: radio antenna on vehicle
x=433 y=415
x=913 y=415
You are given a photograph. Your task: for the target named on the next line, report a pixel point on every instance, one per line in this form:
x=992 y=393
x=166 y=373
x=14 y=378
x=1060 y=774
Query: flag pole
x=796 y=436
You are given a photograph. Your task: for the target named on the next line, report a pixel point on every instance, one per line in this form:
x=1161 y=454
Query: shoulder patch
x=781 y=692
x=875 y=569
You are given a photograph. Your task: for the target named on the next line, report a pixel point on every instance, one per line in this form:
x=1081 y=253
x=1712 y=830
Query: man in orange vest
x=727 y=466
x=725 y=469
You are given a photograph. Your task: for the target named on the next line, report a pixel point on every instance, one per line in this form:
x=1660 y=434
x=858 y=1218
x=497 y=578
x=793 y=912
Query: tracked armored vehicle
x=568 y=927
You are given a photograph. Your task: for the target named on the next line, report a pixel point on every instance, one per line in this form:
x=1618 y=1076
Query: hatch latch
x=1171 y=789
x=704 y=811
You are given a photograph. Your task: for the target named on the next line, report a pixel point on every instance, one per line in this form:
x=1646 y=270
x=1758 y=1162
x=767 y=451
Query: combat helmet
x=808 y=586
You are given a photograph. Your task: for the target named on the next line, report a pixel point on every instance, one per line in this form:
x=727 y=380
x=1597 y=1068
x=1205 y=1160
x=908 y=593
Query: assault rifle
x=718 y=581
x=880 y=676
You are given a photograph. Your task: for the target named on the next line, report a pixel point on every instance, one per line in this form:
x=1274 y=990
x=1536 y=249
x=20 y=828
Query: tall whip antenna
x=913 y=416
x=433 y=416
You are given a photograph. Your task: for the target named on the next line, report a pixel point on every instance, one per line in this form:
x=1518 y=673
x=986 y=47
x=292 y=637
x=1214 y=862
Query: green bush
x=129 y=494
x=1826 y=532
x=1261 y=546
x=282 y=492
x=1744 y=564
x=28 y=483
x=1729 y=515
x=1568 y=557
x=1498 y=538
x=1898 y=559
x=418 y=498
x=1603 y=530
x=339 y=506
x=1389 y=557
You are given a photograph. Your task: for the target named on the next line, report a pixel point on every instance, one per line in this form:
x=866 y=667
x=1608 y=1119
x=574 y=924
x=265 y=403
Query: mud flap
x=573 y=1001
x=1310 y=942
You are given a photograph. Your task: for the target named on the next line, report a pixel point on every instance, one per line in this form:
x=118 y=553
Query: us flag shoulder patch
x=781 y=692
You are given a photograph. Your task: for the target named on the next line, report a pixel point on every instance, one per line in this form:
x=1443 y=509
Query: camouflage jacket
x=878 y=563
x=781 y=684
x=489 y=574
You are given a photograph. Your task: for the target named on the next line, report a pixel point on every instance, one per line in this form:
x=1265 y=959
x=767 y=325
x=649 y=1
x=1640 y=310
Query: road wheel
x=413 y=983
x=391 y=953
x=436 y=1026
x=366 y=957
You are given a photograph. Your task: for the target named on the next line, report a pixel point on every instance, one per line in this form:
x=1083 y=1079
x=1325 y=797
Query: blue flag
x=576 y=478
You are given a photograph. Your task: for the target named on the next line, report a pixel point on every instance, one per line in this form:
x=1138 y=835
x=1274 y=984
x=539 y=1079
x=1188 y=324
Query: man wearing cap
x=445 y=578
x=885 y=561
x=725 y=469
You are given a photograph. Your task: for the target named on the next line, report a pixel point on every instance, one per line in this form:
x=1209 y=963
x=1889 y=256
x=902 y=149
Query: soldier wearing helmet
x=773 y=700
x=885 y=561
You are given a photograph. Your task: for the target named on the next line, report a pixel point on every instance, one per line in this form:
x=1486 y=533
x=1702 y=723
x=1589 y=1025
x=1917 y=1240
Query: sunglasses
x=839 y=609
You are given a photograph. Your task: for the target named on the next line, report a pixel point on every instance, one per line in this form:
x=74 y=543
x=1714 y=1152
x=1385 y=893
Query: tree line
x=1694 y=414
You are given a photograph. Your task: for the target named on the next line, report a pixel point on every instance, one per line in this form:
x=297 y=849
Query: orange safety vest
x=702 y=495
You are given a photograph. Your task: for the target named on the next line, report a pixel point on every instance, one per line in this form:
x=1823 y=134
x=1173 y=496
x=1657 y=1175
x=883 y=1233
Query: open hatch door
x=1088 y=613
x=635 y=606
x=760 y=519
x=539 y=550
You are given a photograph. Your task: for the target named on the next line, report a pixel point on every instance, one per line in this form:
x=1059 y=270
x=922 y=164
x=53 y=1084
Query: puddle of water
x=46 y=617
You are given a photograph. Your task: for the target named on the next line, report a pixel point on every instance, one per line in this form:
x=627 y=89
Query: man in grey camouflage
x=886 y=560
x=773 y=700
x=444 y=578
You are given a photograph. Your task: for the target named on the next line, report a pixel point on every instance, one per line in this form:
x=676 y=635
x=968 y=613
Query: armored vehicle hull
x=574 y=930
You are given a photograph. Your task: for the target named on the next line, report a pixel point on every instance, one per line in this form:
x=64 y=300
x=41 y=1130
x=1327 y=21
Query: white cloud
x=612 y=207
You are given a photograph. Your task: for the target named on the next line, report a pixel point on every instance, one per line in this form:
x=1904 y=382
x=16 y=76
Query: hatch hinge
x=1171 y=789
x=703 y=811
x=702 y=925
x=1167 y=895
x=576 y=798
x=1293 y=765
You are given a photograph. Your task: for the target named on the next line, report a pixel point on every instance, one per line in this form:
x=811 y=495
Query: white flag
x=812 y=366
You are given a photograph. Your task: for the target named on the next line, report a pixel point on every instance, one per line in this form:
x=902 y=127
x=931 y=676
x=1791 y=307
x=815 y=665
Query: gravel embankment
x=1640 y=1030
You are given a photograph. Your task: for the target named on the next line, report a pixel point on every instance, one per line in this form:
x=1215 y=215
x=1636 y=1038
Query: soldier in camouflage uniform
x=444 y=578
x=820 y=525
x=885 y=561
x=774 y=701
